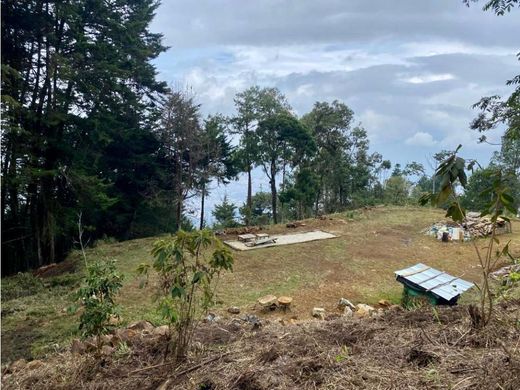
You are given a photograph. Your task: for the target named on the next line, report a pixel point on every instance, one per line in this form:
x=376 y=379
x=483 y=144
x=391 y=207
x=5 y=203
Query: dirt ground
x=421 y=349
x=357 y=265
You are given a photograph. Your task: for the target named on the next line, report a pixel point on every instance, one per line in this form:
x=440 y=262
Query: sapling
x=452 y=172
x=189 y=265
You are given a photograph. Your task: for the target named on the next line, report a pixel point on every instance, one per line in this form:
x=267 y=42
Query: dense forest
x=90 y=136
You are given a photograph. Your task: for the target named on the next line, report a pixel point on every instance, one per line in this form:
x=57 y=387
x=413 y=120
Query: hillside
x=357 y=265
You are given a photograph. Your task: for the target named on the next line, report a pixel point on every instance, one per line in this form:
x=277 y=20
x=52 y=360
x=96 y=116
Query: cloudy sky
x=410 y=69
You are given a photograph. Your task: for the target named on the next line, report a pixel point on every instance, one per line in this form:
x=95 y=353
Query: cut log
x=285 y=302
x=267 y=301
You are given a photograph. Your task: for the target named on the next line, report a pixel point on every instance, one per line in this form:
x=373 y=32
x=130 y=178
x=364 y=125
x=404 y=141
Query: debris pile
x=479 y=226
x=473 y=226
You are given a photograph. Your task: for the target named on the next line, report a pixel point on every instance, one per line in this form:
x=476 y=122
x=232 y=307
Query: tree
x=261 y=212
x=188 y=273
x=397 y=190
x=180 y=134
x=302 y=192
x=282 y=139
x=217 y=160
x=78 y=88
x=254 y=105
x=224 y=214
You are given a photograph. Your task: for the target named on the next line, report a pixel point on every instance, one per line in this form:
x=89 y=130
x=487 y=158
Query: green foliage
x=397 y=190
x=188 y=278
x=261 y=212
x=496 y=198
x=79 y=97
x=302 y=194
x=225 y=214
x=97 y=299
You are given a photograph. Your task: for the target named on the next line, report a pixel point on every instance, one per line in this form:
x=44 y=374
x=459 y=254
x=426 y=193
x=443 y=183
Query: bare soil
x=421 y=349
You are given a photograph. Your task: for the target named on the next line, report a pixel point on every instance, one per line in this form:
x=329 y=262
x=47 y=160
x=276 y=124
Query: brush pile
x=473 y=226
x=478 y=226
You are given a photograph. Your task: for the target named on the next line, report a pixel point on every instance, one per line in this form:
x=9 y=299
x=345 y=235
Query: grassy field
x=357 y=265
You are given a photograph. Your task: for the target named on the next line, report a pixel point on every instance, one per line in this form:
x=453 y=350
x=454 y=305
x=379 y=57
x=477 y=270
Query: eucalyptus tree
x=282 y=140
x=252 y=106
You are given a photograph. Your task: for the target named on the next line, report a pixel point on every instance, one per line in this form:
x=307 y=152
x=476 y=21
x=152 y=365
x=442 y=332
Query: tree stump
x=285 y=303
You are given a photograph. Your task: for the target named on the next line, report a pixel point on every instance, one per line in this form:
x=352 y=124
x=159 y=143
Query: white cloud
x=421 y=138
x=428 y=78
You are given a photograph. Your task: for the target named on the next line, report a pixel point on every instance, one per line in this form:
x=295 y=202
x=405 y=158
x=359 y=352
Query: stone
x=18 y=365
x=141 y=326
x=318 y=312
x=35 y=364
x=233 y=310
x=77 y=347
x=385 y=303
x=268 y=301
x=212 y=317
x=364 y=310
x=347 y=312
x=162 y=330
x=107 y=350
x=126 y=335
x=345 y=303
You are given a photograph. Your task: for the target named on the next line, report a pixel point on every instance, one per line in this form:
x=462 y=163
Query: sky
x=409 y=69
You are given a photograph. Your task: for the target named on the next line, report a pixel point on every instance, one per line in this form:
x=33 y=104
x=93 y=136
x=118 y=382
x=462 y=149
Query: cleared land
x=283 y=239
x=357 y=265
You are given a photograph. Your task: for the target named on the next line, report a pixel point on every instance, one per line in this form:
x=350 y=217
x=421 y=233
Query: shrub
x=188 y=277
x=97 y=299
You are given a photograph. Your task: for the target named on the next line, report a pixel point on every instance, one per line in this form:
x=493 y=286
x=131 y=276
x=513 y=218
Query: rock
x=163 y=330
x=395 y=308
x=141 y=326
x=233 y=310
x=212 y=317
x=318 y=312
x=385 y=303
x=77 y=347
x=33 y=365
x=253 y=320
x=345 y=303
x=364 y=310
x=18 y=365
x=126 y=335
x=268 y=301
x=107 y=350
x=347 y=312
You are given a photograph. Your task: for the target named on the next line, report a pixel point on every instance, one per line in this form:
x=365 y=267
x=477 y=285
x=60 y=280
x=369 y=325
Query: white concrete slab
x=285 y=239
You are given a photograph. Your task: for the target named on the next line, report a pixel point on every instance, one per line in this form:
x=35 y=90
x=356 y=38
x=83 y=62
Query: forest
x=91 y=136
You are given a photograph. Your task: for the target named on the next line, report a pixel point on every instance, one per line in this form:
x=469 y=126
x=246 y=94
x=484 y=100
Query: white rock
x=347 y=312
x=318 y=312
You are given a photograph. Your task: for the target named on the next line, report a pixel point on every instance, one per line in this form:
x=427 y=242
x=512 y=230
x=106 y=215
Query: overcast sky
x=410 y=69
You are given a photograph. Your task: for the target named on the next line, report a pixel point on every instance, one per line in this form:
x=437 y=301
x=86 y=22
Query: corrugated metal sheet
x=432 y=280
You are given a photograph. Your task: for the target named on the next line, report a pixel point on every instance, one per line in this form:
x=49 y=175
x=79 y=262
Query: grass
x=357 y=265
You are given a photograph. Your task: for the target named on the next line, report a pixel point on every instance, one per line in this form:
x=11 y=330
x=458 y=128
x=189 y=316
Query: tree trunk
x=249 y=196
x=202 y=205
x=272 y=181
